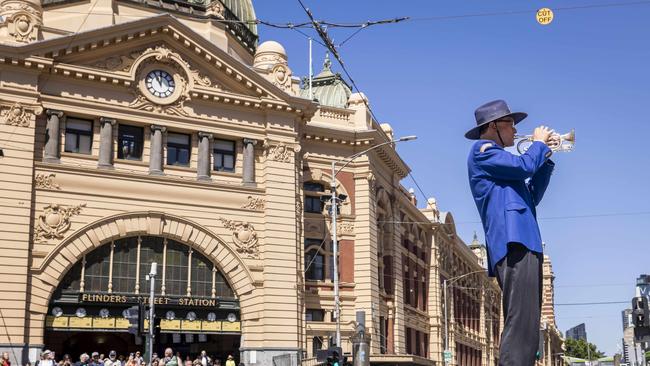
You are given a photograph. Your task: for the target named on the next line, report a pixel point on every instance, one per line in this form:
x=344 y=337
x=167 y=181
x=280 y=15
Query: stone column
x=156 y=150
x=249 y=162
x=203 y=169
x=52 y=133
x=106 y=142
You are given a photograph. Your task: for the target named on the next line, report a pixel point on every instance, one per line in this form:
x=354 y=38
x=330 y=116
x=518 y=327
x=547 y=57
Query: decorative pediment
x=127 y=62
x=113 y=55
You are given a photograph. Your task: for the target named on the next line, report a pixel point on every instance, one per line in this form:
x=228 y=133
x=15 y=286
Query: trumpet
x=567 y=142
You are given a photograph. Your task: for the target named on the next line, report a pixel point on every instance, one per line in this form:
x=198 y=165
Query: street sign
x=544 y=16
x=447 y=355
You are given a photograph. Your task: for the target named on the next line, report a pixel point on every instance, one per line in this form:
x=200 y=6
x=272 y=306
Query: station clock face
x=160 y=83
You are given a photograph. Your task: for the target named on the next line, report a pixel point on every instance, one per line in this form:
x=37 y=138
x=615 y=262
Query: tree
x=578 y=348
x=647 y=357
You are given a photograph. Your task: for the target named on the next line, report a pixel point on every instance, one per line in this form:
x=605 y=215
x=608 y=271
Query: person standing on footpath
x=5 y=359
x=506 y=189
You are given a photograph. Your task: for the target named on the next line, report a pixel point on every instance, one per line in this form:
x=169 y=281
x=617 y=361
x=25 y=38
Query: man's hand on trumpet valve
x=554 y=141
x=542 y=134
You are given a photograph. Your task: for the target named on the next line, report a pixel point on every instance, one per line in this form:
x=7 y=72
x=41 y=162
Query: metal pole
x=335 y=244
x=152 y=281
x=588 y=348
x=311 y=70
x=335 y=250
x=444 y=296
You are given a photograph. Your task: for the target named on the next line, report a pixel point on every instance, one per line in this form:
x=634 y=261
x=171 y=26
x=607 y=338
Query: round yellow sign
x=544 y=16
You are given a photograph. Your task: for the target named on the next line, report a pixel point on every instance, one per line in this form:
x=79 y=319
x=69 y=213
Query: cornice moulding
x=124 y=113
x=152 y=179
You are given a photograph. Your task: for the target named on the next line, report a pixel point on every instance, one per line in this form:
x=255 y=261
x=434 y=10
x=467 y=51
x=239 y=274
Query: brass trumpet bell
x=567 y=142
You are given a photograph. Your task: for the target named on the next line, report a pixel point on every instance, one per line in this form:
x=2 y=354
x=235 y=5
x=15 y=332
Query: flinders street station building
x=140 y=131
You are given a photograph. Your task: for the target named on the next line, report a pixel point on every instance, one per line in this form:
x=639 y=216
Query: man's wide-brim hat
x=490 y=112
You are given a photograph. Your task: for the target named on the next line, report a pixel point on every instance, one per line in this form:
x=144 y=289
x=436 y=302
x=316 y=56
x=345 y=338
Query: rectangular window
x=223 y=156
x=383 y=336
x=408 y=341
x=129 y=142
x=313 y=204
x=178 y=149
x=78 y=136
x=315 y=315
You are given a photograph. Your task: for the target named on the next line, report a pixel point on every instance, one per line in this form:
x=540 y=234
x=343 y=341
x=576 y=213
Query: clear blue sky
x=588 y=70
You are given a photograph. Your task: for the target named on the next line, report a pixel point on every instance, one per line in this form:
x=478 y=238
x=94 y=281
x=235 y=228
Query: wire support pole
x=334 y=208
x=445 y=284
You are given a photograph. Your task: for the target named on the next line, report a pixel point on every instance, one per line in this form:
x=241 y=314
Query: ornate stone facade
x=473 y=307
x=244 y=236
x=54 y=221
x=165 y=134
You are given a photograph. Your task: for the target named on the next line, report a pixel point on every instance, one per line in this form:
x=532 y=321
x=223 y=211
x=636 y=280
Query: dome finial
x=475 y=242
x=327 y=64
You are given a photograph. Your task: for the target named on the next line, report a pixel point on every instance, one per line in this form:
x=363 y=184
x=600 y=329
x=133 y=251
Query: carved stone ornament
x=216 y=8
x=372 y=182
x=344 y=227
x=119 y=62
x=255 y=203
x=299 y=210
x=46 y=181
x=54 y=221
x=244 y=236
x=19 y=115
x=280 y=152
x=282 y=77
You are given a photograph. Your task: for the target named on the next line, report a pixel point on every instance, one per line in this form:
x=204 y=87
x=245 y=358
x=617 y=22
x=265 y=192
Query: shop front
x=195 y=306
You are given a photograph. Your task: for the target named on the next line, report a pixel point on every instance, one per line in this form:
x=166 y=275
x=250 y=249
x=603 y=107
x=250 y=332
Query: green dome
x=329 y=88
x=244 y=11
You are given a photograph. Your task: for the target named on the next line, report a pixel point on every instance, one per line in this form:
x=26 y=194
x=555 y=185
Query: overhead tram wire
x=329 y=44
x=363 y=25
x=517 y=12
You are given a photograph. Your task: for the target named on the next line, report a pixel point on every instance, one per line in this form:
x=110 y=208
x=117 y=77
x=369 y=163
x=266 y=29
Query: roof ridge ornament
x=327 y=63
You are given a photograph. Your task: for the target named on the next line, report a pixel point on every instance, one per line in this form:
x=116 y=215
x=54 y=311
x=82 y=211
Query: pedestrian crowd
x=48 y=358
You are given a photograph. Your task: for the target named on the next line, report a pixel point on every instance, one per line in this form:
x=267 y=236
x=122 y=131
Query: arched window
x=121 y=267
x=313 y=203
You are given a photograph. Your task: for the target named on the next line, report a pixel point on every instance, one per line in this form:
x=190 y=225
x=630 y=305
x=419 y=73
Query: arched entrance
x=196 y=307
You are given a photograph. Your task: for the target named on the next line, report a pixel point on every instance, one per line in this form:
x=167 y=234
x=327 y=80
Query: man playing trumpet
x=506 y=189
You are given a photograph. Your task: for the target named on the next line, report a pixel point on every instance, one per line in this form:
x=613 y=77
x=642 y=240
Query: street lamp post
x=445 y=284
x=334 y=207
x=152 y=288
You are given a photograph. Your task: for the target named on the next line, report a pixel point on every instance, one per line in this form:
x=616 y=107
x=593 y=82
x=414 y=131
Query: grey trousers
x=520 y=277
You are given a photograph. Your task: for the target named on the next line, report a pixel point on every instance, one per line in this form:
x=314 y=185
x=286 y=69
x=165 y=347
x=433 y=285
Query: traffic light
x=133 y=315
x=641 y=319
x=142 y=317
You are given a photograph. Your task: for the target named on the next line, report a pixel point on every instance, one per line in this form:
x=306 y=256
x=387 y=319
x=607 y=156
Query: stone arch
x=449 y=226
x=324 y=178
x=48 y=275
x=383 y=200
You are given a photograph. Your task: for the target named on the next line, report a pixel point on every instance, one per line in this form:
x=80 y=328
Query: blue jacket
x=506 y=189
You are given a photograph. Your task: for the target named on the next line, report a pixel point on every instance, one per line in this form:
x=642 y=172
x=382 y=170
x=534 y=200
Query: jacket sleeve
x=500 y=164
x=538 y=183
